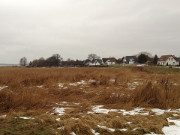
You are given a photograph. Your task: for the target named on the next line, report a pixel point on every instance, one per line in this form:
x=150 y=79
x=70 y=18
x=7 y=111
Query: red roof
x=165 y=57
x=109 y=60
x=112 y=60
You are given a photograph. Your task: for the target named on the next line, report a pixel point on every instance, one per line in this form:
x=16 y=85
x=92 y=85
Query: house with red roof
x=168 y=60
x=110 y=61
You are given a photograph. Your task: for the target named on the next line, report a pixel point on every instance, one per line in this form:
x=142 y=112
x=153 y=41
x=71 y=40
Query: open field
x=87 y=101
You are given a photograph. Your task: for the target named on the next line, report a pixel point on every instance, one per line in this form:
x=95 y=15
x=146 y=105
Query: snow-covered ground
x=135 y=111
x=172 y=129
x=160 y=111
x=168 y=130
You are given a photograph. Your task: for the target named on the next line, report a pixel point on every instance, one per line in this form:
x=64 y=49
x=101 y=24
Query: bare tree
x=34 y=63
x=93 y=57
x=57 y=59
x=41 y=62
x=54 y=60
x=23 y=61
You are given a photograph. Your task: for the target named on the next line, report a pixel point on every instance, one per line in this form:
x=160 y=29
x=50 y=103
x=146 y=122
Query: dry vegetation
x=34 y=92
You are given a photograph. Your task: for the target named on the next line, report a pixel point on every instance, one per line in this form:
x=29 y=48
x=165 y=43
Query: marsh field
x=89 y=101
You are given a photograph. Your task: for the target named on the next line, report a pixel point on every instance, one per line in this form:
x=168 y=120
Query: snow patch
x=39 y=86
x=58 y=119
x=104 y=127
x=92 y=81
x=60 y=85
x=135 y=129
x=72 y=133
x=172 y=129
x=82 y=82
x=175 y=115
x=112 y=80
x=99 y=109
x=176 y=84
x=136 y=111
x=76 y=103
x=161 y=112
x=60 y=128
x=3 y=87
x=132 y=86
x=3 y=116
x=122 y=129
x=94 y=132
x=26 y=118
x=60 y=111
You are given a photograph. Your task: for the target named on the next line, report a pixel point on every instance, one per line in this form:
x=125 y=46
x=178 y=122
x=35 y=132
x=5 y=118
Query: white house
x=129 y=60
x=168 y=60
x=95 y=62
x=109 y=61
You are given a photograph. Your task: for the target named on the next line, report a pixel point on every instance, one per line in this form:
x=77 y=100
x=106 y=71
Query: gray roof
x=177 y=59
x=130 y=57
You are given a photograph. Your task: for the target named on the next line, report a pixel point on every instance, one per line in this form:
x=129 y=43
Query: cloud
x=76 y=28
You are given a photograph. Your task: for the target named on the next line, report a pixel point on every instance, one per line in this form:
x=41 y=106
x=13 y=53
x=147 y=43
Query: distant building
x=129 y=60
x=109 y=61
x=168 y=60
x=95 y=62
x=119 y=61
x=178 y=59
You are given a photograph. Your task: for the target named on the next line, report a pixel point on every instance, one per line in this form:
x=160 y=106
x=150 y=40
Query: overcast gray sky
x=75 y=28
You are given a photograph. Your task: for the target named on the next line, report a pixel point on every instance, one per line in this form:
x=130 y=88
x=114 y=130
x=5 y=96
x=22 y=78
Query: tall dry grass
x=157 y=95
x=23 y=94
x=24 y=99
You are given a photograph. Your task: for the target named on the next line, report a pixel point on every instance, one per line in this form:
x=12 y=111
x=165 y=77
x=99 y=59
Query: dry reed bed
x=41 y=89
x=38 y=87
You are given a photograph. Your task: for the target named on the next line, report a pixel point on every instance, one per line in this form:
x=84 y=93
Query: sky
x=76 y=28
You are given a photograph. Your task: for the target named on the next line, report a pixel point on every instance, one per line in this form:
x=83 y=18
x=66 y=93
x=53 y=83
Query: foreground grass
x=35 y=124
x=35 y=92
x=82 y=124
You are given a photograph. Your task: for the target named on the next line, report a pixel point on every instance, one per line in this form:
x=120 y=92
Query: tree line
x=56 y=60
x=143 y=58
